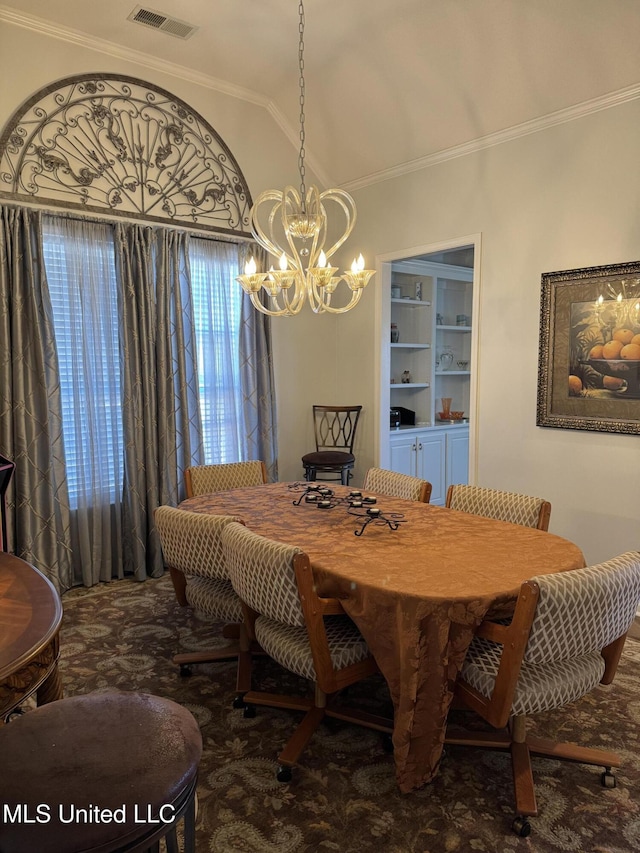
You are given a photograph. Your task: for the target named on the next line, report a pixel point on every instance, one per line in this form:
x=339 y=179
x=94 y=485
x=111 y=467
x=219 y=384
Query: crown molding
x=595 y=105
x=39 y=25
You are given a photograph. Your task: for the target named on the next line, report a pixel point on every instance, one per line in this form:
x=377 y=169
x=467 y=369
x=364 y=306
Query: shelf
x=412 y=303
x=453 y=373
x=404 y=385
x=411 y=346
x=452 y=328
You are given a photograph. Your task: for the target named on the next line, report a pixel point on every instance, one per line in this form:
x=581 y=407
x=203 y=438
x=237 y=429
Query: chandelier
x=292 y=226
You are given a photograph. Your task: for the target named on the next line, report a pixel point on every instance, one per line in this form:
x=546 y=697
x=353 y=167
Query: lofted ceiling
x=391 y=84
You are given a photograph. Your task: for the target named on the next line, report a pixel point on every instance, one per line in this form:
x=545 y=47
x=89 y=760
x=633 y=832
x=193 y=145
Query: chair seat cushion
x=540 y=687
x=214 y=598
x=328 y=457
x=289 y=645
x=113 y=750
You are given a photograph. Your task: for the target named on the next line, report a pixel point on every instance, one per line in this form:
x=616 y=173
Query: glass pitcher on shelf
x=445 y=359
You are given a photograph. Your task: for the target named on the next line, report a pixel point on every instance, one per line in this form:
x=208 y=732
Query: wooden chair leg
x=180 y=585
x=301 y=737
x=231 y=631
x=573 y=752
x=243 y=676
x=521 y=767
x=523 y=780
x=227 y=653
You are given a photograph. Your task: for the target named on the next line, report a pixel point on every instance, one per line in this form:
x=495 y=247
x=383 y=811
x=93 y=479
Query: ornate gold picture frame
x=589 y=360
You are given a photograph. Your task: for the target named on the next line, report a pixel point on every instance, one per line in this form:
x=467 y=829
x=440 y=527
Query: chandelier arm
x=355 y=298
x=277 y=312
x=348 y=205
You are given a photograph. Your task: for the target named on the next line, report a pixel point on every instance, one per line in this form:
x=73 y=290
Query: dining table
x=417 y=580
x=30 y=619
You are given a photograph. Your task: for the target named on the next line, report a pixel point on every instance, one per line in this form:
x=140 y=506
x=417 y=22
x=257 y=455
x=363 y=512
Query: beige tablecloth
x=416 y=593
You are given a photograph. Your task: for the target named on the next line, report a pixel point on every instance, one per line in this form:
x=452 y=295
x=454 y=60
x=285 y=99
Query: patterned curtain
x=30 y=406
x=256 y=373
x=162 y=433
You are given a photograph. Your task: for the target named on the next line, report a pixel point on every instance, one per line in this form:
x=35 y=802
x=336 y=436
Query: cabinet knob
x=420 y=446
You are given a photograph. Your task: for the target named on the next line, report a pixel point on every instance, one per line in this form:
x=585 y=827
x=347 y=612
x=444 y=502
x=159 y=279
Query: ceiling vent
x=157 y=21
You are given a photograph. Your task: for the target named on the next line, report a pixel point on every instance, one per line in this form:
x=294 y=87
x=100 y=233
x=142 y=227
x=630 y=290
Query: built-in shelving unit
x=430 y=345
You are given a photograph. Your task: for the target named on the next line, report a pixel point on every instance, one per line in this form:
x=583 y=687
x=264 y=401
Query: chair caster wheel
x=607 y=779
x=387 y=743
x=185 y=670
x=521 y=826
x=284 y=774
x=249 y=712
x=238 y=701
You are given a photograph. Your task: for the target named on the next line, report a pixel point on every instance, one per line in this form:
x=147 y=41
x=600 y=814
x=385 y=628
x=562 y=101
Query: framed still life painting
x=589 y=360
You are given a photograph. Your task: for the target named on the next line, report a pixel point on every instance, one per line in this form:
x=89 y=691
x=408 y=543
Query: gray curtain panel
x=256 y=372
x=30 y=408
x=160 y=406
x=162 y=433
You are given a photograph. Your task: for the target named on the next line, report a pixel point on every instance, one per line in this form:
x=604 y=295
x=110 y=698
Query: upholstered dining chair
x=504 y=506
x=192 y=550
x=307 y=635
x=334 y=428
x=396 y=485
x=565 y=637
x=207 y=479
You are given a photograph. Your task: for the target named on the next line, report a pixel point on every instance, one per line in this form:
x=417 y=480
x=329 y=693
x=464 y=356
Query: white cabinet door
x=402 y=454
x=431 y=463
x=457 y=457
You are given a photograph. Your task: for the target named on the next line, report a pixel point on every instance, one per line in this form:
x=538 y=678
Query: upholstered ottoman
x=108 y=772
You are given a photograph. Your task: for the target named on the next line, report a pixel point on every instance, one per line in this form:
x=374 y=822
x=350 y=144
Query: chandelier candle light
x=293 y=230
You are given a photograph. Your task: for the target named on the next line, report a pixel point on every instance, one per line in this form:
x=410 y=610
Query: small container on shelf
x=445 y=361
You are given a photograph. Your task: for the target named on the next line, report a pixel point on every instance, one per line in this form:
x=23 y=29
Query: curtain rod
x=97 y=217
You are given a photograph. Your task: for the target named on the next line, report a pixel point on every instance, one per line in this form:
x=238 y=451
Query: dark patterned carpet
x=343 y=796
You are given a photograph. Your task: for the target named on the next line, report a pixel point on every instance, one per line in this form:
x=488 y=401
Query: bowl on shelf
x=463 y=364
x=451 y=416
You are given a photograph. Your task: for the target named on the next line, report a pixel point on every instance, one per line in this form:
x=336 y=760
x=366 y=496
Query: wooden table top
x=30 y=613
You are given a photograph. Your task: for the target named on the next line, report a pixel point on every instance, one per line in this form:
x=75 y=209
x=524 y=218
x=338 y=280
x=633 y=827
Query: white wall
x=560 y=199
x=563 y=198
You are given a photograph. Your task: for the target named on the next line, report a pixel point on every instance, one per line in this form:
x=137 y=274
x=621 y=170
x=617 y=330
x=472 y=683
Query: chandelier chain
x=301 y=168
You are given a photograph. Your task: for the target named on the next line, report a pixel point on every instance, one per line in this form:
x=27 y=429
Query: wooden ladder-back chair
x=396 y=485
x=565 y=637
x=503 y=506
x=192 y=550
x=307 y=635
x=207 y=479
x=335 y=433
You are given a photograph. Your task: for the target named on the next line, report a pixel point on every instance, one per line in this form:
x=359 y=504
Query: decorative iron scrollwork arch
x=103 y=142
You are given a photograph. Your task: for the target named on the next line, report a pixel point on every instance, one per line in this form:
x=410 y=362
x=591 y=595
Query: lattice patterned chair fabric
x=192 y=550
x=207 y=479
x=504 y=506
x=305 y=634
x=565 y=637
x=397 y=485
